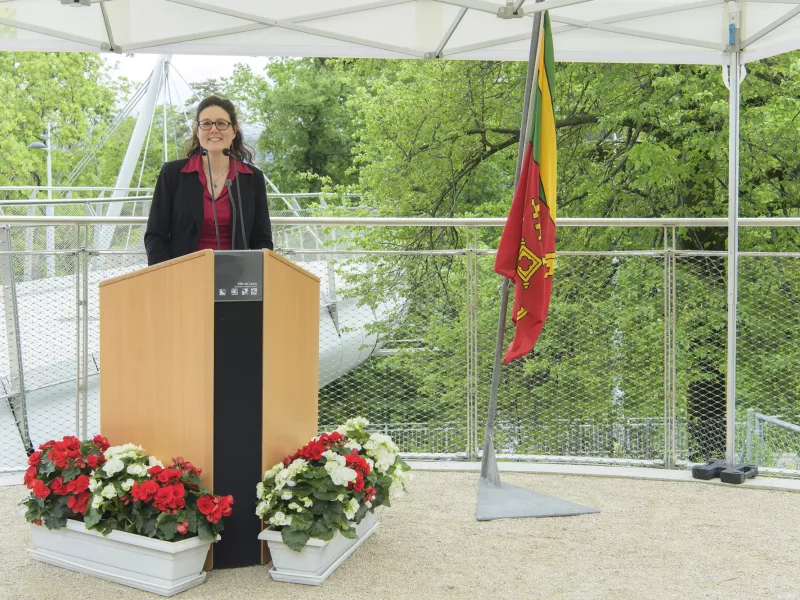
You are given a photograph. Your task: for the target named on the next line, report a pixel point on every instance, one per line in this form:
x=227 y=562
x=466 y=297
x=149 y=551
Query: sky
x=193 y=68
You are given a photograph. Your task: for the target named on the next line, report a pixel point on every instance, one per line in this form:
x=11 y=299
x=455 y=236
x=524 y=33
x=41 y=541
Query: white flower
x=259 y=490
x=383 y=450
x=262 y=509
x=286 y=495
x=114 y=451
x=351 y=424
x=113 y=466
x=152 y=461
x=351 y=509
x=400 y=480
x=295 y=506
x=97 y=501
x=127 y=485
x=352 y=445
x=307 y=502
x=273 y=471
x=93 y=483
x=338 y=472
x=109 y=491
x=279 y=519
x=137 y=470
x=298 y=466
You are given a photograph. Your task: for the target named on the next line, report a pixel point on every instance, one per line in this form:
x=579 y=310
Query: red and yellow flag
x=527 y=250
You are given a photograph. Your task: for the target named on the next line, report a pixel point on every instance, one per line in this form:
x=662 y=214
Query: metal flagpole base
x=498 y=500
x=511 y=502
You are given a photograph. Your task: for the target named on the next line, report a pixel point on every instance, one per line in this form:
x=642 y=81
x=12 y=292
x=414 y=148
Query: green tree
x=306 y=126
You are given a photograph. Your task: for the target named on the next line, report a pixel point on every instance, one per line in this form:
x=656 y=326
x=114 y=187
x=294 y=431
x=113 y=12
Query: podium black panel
x=238 y=368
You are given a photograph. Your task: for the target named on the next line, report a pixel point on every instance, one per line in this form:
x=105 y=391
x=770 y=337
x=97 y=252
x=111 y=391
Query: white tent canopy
x=651 y=31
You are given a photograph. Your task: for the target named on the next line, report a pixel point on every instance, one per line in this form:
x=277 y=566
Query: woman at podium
x=215 y=198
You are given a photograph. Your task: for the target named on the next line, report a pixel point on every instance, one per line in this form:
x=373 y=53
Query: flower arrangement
x=121 y=488
x=58 y=477
x=330 y=484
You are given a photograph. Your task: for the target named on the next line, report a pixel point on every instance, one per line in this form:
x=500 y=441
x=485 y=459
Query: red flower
x=215 y=507
x=92 y=461
x=186 y=466
x=30 y=476
x=155 y=470
x=80 y=484
x=313 y=450
x=358 y=484
x=37 y=522
x=58 y=487
x=40 y=490
x=369 y=494
x=71 y=442
x=59 y=457
x=79 y=503
x=101 y=441
x=144 y=491
x=35 y=459
x=164 y=495
x=47 y=445
x=205 y=504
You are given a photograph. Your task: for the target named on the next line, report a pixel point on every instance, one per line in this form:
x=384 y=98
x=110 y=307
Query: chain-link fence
x=629 y=369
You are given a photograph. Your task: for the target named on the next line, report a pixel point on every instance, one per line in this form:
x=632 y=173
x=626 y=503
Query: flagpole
x=489 y=470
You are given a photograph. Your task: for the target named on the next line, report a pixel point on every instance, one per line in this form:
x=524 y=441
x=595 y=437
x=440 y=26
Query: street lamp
x=50 y=234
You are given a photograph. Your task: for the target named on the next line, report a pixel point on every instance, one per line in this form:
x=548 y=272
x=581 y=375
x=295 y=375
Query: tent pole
x=733 y=248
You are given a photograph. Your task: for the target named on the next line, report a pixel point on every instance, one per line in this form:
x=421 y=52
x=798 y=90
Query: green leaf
x=204 y=530
x=323 y=495
x=302 y=521
x=167 y=527
x=320 y=530
x=70 y=474
x=92 y=518
x=294 y=539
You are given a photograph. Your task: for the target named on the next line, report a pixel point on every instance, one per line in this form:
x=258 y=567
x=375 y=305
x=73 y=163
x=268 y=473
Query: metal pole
x=489 y=464
x=50 y=211
x=77 y=331
x=85 y=344
x=733 y=246
x=17 y=401
x=667 y=345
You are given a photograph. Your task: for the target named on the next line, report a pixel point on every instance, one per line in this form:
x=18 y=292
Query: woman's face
x=213 y=139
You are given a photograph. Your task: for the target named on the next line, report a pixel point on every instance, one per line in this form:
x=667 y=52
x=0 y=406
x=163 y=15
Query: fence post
x=17 y=401
x=751 y=425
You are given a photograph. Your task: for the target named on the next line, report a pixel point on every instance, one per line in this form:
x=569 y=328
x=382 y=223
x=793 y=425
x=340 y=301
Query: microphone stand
x=227 y=152
x=233 y=214
x=204 y=152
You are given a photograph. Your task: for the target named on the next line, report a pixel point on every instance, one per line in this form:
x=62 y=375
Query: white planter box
x=318 y=558
x=164 y=568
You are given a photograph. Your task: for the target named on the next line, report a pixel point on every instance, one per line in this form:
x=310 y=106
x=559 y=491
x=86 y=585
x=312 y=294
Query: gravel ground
x=651 y=540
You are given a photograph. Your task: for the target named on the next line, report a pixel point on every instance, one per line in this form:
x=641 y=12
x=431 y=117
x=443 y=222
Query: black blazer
x=176 y=214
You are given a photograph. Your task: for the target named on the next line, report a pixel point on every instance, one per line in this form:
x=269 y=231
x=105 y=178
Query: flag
x=527 y=249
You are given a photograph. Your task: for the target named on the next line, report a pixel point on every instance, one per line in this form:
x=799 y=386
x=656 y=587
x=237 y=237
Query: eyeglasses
x=206 y=125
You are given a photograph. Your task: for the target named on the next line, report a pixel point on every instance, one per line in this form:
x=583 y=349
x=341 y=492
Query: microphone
x=228 y=152
x=204 y=152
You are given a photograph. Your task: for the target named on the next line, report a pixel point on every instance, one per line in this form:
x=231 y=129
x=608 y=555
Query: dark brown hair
x=193 y=144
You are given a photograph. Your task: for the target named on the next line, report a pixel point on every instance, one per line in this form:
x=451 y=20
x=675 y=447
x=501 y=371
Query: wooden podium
x=213 y=357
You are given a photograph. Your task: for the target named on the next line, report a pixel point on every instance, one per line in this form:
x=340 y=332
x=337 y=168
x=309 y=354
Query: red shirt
x=208 y=235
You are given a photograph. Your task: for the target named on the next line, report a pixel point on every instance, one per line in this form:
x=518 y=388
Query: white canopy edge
x=622 y=31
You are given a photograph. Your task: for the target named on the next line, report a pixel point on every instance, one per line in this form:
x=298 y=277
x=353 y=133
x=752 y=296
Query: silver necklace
x=216 y=179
